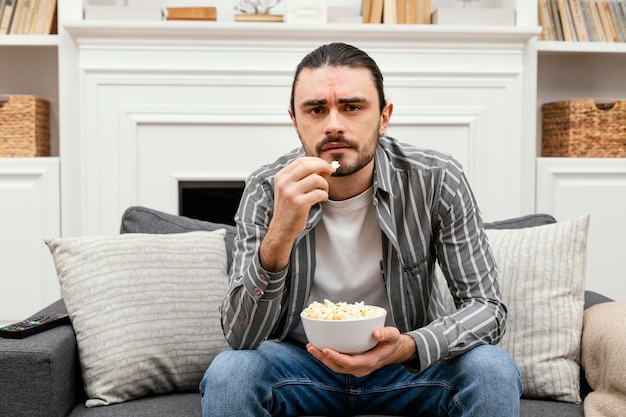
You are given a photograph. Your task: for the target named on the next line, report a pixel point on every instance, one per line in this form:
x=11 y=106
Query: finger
x=305 y=166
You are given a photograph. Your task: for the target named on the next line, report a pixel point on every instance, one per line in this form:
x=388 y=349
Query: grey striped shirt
x=426 y=212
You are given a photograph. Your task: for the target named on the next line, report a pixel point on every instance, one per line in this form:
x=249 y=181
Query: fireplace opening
x=214 y=201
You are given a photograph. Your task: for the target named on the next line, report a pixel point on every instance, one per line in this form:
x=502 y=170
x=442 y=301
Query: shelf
x=581 y=47
x=29 y=40
x=159 y=30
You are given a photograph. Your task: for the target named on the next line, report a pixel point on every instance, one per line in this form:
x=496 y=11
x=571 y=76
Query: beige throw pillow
x=145 y=309
x=542 y=276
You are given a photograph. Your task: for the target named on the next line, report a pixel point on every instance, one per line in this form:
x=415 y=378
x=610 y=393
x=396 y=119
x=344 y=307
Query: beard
x=365 y=152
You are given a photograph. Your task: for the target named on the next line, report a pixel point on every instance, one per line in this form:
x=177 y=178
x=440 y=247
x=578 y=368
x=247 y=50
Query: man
x=371 y=231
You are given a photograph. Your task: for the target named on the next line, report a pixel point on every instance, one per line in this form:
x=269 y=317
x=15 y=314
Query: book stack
x=28 y=17
x=191 y=13
x=396 y=11
x=583 y=20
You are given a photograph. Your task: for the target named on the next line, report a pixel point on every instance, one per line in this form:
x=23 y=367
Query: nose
x=334 y=123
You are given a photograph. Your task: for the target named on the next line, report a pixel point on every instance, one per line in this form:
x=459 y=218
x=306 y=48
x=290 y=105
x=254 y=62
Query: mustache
x=334 y=139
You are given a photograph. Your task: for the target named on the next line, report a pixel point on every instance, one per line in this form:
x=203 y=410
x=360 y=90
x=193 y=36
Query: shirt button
x=417 y=271
x=246 y=321
x=262 y=278
x=258 y=291
x=307 y=225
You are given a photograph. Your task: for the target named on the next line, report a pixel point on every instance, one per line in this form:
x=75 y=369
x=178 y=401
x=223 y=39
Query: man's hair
x=340 y=55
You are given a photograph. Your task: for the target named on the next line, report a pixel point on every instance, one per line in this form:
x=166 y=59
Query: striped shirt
x=427 y=214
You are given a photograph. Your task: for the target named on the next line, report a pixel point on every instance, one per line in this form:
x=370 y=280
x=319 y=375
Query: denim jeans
x=283 y=379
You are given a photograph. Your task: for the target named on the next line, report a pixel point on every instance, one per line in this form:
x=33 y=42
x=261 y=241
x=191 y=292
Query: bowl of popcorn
x=344 y=327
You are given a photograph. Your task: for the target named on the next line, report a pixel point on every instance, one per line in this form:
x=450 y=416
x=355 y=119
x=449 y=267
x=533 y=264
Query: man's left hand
x=393 y=347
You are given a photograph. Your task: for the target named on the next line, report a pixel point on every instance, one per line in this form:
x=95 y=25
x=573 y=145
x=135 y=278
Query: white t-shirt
x=348 y=252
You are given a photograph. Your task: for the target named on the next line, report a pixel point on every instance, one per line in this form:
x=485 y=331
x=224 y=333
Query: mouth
x=334 y=145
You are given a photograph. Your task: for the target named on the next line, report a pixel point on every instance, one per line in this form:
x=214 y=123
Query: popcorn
x=334 y=165
x=339 y=311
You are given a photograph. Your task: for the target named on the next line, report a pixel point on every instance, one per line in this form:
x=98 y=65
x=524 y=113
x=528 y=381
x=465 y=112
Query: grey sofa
x=40 y=375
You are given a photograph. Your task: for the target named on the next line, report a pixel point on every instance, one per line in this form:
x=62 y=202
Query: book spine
x=620 y=7
x=599 y=29
x=411 y=12
x=401 y=11
x=20 y=7
x=376 y=15
x=557 y=20
x=584 y=6
x=616 y=16
x=366 y=11
x=7 y=16
x=609 y=21
x=426 y=11
x=566 y=21
x=390 y=13
x=579 y=21
x=547 y=21
x=604 y=23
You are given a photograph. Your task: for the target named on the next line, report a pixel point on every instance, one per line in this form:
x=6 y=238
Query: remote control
x=33 y=325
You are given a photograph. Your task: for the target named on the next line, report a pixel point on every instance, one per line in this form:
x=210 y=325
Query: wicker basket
x=584 y=128
x=24 y=126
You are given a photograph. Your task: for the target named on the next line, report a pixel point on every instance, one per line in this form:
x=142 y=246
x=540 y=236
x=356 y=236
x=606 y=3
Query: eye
x=352 y=108
x=316 y=110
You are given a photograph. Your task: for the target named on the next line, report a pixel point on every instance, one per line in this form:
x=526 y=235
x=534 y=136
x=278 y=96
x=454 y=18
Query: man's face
x=337 y=116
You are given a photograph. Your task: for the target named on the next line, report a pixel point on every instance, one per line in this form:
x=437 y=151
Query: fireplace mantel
x=149 y=104
x=85 y=31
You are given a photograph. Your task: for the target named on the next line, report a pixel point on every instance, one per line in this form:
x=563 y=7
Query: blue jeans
x=283 y=379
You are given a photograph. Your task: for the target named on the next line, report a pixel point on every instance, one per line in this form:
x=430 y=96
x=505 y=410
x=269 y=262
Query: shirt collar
x=383 y=171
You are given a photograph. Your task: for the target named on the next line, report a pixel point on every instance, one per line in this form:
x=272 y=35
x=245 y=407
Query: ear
x=385 y=115
x=293 y=119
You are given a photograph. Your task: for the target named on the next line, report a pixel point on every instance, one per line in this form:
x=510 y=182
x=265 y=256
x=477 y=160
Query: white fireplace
x=160 y=105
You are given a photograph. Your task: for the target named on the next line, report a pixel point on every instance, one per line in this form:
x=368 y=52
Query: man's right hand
x=297 y=187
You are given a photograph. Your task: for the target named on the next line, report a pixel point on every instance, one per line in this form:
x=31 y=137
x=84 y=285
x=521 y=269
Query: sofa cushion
x=145 y=309
x=542 y=276
x=138 y=219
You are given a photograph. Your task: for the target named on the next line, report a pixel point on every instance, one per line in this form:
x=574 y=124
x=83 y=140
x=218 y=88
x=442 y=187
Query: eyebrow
x=321 y=101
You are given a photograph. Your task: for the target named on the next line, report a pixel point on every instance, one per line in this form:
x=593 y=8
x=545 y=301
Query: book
x=619 y=19
x=426 y=12
x=252 y=17
x=7 y=16
x=376 y=12
x=569 y=35
x=390 y=12
x=588 y=21
x=30 y=16
x=192 y=13
x=591 y=11
x=401 y=11
x=366 y=10
x=411 y=11
x=21 y=9
x=606 y=29
x=579 y=21
x=609 y=21
x=43 y=20
x=1 y=8
x=548 y=32
x=557 y=20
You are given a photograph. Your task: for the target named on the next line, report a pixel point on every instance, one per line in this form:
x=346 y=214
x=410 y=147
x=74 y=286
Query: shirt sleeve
x=469 y=267
x=251 y=305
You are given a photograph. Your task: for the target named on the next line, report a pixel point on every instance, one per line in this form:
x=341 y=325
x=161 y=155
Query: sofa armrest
x=40 y=374
x=592 y=298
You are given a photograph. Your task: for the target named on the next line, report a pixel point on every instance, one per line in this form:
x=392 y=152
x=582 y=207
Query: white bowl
x=346 y=336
